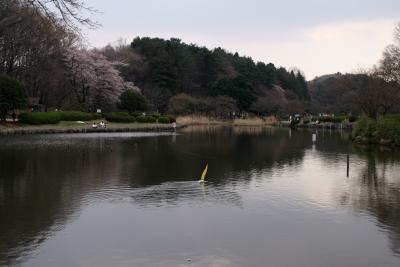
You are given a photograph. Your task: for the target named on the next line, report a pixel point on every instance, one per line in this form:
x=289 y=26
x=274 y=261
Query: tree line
x=43 y=54
x=166 y=68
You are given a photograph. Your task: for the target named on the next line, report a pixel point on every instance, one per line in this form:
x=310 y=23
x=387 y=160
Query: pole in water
x=314 y=137
x=348 y=165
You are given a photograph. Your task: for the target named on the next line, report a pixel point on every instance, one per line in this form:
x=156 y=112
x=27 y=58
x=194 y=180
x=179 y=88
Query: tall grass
x=249 y=122
x=197 y=120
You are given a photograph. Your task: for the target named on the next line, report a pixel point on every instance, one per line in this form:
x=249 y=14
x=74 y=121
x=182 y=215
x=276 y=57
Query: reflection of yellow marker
x=203 y=175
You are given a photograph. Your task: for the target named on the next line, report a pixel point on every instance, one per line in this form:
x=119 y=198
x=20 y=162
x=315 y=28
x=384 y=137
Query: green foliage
x=37 y=118
x=132 y=101
x=389 y=128
x=171 y=118
x=173 y=67
x=12 y=95
x=294 y=82
x=123 y=117
x=338 y=119
x=78 y=116
x=155 y=115
x=352 y=118
x=164 y=120
x=135 y=114
x=239 y=89
x=151 y=119
x=366 y=127
x=141 y=119
x=146 y=119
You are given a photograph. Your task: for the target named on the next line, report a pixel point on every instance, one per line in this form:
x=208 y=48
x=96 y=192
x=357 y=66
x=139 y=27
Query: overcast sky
x=316 y=36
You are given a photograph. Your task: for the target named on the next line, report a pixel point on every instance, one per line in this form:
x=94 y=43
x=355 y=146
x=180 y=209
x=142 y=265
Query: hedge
x=78 y=116
x=166 y=119
x=136 y=114
x=40 y=118
x=146 y=119
x=119 y=117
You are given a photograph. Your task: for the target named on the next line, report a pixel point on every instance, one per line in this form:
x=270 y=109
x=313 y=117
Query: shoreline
x=63 y=129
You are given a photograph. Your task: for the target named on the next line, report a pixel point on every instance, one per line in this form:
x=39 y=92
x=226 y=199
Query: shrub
x=164 y=120
x=136 y=114
x=338 y=119
x=171 y=118
x=352 y=118
x=155 y=115
x=366 y=127
x=132 y=101
x=146 y=119
x=324 y=119
x=141 y=119
x=389 y=128
x=97 y=116
x=78 y=116
x=151 y=119
x=119 y=117
x=37 y=118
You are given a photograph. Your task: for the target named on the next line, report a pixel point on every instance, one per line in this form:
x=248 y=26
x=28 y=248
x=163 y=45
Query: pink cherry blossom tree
x=94 y=81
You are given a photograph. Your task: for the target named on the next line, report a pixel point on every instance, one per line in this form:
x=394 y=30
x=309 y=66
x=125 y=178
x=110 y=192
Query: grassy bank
x=74 y=127
x=381 y=131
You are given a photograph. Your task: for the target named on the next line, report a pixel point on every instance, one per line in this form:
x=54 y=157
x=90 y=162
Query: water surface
x=273 y=198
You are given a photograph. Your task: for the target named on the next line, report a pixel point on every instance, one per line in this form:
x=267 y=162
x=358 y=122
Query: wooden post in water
x=348 y=165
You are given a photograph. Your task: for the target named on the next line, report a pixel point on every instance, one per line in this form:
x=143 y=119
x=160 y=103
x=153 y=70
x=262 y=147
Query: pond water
x=272 y=198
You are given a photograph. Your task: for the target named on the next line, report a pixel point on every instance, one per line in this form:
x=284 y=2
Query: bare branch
x=68 y=11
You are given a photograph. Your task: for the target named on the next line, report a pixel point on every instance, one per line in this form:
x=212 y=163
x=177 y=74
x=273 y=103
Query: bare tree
x=69 y=11
x=31 y=46
x=373 y=95
x=389 y=67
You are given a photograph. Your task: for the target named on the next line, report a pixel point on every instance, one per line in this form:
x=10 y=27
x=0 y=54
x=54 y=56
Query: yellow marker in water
x=203 y=175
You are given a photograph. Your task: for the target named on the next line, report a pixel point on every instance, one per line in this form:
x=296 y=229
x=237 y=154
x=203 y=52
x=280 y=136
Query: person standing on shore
x=14 y=116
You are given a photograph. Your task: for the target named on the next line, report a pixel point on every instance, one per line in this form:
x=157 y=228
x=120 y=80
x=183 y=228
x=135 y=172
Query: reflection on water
x=272 y=198
x=376 y=191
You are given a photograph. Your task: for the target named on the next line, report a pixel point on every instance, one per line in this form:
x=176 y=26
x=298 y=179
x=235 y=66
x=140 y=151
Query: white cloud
x=324 y=49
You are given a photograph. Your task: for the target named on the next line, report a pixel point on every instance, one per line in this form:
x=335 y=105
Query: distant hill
x=164 y=68
x=330 y=93
x=335 y=93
